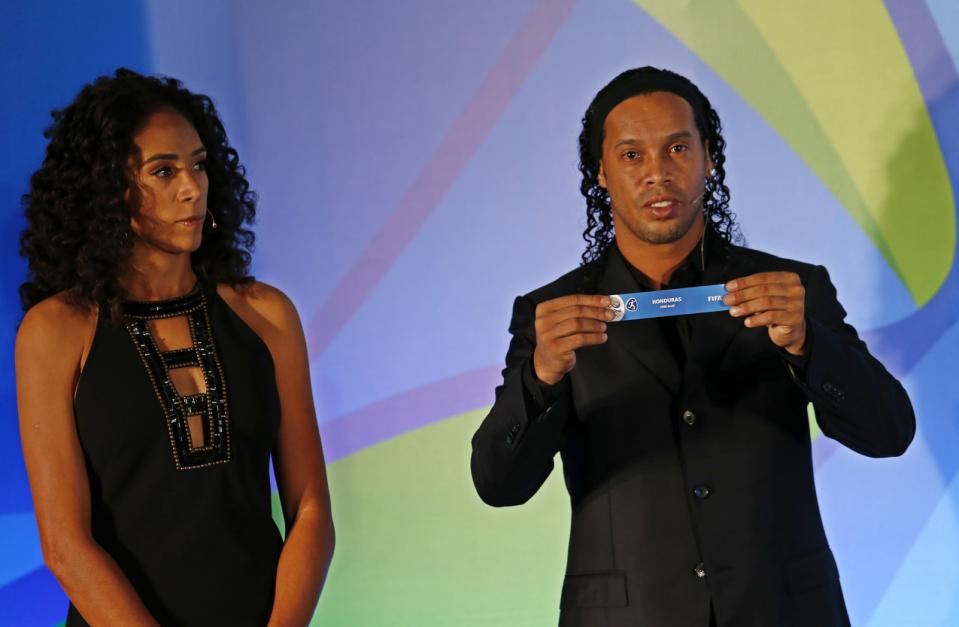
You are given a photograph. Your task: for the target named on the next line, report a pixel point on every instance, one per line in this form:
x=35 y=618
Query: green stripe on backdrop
x=416 y=546
x=814 y=430
x=834 y=81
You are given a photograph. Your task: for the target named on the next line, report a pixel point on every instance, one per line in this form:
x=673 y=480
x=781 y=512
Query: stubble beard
x=665 y=231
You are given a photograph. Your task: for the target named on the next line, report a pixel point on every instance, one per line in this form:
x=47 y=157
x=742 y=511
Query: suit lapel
x=642 y=339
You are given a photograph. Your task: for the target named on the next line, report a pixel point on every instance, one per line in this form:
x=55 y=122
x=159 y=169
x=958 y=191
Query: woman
x=156 y=378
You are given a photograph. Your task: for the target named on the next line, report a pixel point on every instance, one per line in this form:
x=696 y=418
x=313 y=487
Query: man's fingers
x=559 y=355
x=788 y=278
x=583 y=311
x=765 y=303
x=572 y=326
x=598 y=301
x=790 y=290
x=545 y=323
x=776 y=318
x=573 y=342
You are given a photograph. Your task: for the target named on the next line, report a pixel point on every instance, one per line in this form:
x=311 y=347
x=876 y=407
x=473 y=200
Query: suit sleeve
x=513 y=448
x=857 y=401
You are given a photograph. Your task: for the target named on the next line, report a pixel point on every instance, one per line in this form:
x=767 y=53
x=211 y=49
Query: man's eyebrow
x=170 y=156
x=669 y=138
x=679 y=135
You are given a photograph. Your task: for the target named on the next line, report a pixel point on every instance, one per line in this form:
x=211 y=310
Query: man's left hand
x=776 y=300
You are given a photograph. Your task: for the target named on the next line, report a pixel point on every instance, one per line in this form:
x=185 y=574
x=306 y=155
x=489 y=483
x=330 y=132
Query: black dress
x=191 y=527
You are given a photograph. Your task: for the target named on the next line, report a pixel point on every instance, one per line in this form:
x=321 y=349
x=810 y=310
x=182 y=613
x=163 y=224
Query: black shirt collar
x=710 y=252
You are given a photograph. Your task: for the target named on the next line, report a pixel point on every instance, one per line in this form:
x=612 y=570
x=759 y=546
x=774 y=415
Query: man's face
x=654 y=165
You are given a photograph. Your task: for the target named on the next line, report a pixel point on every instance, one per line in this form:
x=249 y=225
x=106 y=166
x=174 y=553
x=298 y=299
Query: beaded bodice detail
x=211 y=405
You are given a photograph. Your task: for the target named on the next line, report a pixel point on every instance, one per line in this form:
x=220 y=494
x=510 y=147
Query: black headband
x=636 y=83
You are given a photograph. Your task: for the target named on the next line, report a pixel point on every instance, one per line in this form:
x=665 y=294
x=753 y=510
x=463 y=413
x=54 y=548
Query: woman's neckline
x=167 y=307
x=136 y=301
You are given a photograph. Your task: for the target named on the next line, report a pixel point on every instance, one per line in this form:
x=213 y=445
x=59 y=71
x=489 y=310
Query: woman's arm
x=298 y=460
x=49 y=351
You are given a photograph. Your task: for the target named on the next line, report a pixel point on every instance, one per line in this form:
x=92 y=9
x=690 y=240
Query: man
x=685 y=439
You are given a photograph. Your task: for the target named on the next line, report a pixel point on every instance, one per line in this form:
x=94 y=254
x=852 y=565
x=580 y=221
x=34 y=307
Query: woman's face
x=172 y=185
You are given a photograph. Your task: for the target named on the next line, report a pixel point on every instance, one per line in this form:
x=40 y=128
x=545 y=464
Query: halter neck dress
x=190 y=526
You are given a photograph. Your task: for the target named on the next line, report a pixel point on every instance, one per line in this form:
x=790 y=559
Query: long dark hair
x=599 y=232
x=78 y=237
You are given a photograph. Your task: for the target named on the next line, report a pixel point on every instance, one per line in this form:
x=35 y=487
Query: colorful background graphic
x=416 y=164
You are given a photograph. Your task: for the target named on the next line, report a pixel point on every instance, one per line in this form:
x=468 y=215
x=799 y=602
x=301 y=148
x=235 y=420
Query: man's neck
x=657 y=262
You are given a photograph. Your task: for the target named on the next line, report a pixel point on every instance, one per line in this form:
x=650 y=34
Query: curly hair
x=599 y=232
x=78 y=239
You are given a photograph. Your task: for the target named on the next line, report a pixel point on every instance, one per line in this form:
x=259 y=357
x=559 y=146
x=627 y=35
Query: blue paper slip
x=684 y=301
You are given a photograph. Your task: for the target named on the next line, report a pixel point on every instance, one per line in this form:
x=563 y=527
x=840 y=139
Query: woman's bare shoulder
x=262 y=303
x=57 y=325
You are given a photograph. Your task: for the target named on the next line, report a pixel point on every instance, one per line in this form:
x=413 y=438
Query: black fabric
x=672 y=464
x=199 y=545
x=676 y=330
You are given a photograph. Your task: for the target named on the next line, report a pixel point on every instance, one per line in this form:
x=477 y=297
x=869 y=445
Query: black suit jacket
x=692 y=487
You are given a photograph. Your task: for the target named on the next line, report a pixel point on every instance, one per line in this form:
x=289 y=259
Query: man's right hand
x=563 y=325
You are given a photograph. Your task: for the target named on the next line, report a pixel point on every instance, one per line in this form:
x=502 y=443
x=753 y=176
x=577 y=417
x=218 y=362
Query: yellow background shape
x=834 y=81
